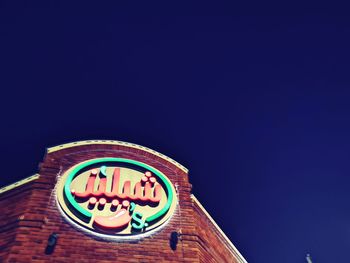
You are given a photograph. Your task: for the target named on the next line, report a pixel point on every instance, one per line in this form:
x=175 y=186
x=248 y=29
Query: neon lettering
x=151 y=192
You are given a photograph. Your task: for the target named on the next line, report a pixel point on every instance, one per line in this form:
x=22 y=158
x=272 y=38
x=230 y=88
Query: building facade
x=108 y=201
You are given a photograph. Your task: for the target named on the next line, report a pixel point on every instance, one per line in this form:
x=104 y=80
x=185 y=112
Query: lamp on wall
x=51 y=243
x=174 y=239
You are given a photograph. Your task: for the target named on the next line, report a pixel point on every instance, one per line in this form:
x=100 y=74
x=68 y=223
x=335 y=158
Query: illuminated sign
x=116 y=197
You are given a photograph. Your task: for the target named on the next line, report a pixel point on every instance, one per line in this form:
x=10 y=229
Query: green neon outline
x=87 y=214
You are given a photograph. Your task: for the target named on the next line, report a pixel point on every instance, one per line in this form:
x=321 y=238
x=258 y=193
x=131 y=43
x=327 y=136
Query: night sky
x=253 y=99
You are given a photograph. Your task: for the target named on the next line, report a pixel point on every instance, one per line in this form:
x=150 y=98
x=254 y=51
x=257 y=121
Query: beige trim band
x=113 y=142
x=233 y=249
x=19 y=183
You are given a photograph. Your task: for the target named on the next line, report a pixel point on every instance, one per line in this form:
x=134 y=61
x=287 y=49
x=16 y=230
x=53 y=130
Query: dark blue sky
x=252 y=99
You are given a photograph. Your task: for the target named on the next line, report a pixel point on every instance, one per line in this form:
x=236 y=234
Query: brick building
x=108 y=201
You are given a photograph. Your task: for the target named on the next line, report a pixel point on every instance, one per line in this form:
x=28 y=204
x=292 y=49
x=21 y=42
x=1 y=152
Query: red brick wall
x=29 y=215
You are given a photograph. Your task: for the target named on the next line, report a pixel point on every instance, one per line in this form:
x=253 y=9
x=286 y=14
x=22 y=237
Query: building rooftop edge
x=234 y=250
x=115 y=142
x=19 y=183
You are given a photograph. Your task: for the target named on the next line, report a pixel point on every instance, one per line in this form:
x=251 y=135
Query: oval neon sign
x=116 y=197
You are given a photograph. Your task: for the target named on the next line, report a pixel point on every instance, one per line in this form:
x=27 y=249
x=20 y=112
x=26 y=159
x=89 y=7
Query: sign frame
x=78 y=215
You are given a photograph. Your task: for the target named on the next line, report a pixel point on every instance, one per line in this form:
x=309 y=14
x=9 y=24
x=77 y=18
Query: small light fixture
x=174 y=239
x=51 y=243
